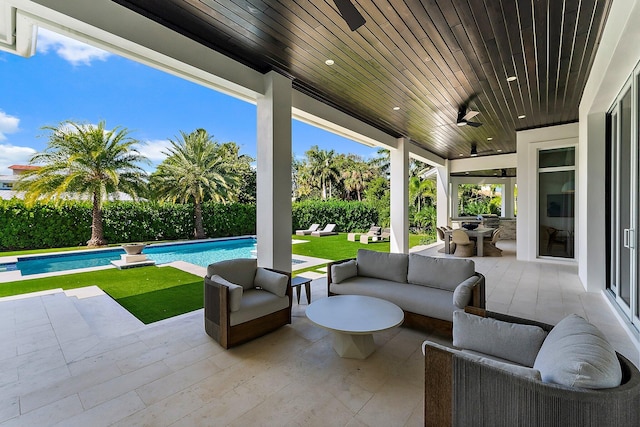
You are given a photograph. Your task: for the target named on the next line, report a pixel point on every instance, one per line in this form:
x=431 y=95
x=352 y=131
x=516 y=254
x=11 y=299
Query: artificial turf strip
x=337 y=247
x=149 y=293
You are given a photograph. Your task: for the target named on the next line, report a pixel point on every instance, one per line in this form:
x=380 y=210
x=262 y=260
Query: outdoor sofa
x=507 y=371
x=243 y=301
x=427 y=289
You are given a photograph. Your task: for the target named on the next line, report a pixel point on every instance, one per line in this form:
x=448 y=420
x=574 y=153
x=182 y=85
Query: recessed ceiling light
x=396 y=108
x=329 y=62
x=499 y=150
x=512 y=78
x=521 y=116
x=489 y=139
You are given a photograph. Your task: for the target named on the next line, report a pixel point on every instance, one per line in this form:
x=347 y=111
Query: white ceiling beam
x=498 y=161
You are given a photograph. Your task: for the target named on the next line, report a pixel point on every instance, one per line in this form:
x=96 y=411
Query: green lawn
x=149 y=293
x=338 y=247
x=156 y=293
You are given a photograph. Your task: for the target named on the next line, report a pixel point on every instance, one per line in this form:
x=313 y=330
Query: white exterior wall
x=617 y=55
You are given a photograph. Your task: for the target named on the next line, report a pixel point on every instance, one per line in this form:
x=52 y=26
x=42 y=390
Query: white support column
x=443 y=201
x=508 y=199
x=400 y=197
x=274 y=173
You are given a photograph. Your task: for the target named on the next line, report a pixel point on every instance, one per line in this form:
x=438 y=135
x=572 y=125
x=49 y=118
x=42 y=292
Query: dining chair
x=464 y=246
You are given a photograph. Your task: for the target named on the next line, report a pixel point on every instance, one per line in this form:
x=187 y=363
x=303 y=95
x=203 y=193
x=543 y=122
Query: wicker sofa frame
x=461 y=392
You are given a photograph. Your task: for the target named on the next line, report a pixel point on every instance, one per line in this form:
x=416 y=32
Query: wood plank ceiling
x=425 y=57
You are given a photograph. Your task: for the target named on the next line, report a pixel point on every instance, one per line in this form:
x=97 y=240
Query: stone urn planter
x=133 y=248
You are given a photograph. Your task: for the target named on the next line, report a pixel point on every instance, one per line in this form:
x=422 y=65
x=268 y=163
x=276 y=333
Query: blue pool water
x=198 y=253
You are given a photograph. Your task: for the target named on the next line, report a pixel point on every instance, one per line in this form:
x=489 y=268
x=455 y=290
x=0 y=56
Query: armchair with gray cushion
x=506 y=371
x=243 y=301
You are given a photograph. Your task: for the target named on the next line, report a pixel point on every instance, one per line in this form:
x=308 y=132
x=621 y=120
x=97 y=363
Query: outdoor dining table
x=478 y=233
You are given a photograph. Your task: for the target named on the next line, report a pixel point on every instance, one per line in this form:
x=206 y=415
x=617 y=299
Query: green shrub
x=43 y=225
x=348 y=216
x=48 y=225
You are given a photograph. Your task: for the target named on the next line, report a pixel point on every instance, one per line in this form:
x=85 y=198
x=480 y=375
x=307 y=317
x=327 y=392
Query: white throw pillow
x=511 y=341
x=343 y=271
x=235 y=292
x=577 y=354
x=271 y=281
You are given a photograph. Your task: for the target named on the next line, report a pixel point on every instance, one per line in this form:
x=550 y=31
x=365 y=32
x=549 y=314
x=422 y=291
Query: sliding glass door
x=624 y=257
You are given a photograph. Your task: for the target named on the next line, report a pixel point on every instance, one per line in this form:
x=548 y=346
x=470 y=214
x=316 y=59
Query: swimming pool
x=198 y=253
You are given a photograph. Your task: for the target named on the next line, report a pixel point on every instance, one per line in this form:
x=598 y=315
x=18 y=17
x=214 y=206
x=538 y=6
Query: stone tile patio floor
x=81 y=360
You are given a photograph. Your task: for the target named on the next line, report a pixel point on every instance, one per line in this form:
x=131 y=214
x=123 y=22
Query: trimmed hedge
x=48 y=225
x=67 y=224
x=348 y=216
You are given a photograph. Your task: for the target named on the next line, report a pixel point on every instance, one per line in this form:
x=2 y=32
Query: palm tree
x=356 y=174
x=86 y=160
x=197 y=169
x=322 y=168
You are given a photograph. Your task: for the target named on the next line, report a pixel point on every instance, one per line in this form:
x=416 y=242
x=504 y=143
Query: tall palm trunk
x=97 y=232
x=199 y=232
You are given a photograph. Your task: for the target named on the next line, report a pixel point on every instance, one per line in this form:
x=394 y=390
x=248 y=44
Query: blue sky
x=68 y=80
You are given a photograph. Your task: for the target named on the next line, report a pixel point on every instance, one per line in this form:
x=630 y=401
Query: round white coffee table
x=353 y=319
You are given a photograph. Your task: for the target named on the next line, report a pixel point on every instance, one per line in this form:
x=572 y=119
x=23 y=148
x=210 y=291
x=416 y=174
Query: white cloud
x=153 y=150
x=8 y=124
x=73 y=51
x=13 y=155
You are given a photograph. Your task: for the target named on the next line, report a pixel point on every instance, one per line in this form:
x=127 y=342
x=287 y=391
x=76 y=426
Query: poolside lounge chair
x=308 y=231
x=385 y=235
x=373 y=231
x=326 y=231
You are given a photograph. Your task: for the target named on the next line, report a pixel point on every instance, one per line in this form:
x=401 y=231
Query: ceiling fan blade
x=474 y=124
x=470 y=115
x=350 y=14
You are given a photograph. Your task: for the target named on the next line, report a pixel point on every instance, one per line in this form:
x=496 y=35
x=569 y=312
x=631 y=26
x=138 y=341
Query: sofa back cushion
x=380 y=265
x=510 y=341
x=441 y=273
x=240 y=271
x=576 y=354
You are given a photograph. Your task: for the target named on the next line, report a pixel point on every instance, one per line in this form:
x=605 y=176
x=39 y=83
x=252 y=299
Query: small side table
x=297 y=282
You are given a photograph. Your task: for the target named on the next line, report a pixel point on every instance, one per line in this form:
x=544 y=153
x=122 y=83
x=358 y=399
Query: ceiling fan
x=465 y=113
x=350 y=14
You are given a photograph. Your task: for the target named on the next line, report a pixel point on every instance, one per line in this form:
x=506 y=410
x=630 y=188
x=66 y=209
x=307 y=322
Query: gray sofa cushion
x=257 y=303
x=241 y=271
x=441 y=273
x=576 y=354
x=343 y=271
x=382 y=265
x=276 y=283
x=235 y=292
x=431 y=302
x=462 y=294
x=521 y=371
x=510 y=341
